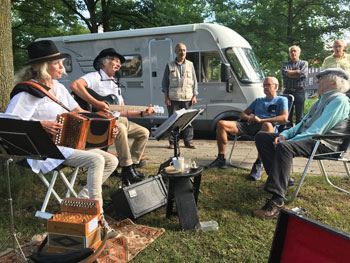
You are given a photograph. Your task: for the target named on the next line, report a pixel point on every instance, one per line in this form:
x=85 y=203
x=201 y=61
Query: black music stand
x=23 y=140
x=177 y=122
x=180 y=190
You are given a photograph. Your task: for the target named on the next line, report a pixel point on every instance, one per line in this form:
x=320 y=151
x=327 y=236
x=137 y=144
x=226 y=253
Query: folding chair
x=50 y=188
x=278 y=128
x=332 y=156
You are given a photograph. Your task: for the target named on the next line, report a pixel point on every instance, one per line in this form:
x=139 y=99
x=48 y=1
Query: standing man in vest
x=339 y=59
x=294 y=73
x=180 y=89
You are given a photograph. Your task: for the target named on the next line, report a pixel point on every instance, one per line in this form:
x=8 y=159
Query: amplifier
x=301 y=239
x=141 y=198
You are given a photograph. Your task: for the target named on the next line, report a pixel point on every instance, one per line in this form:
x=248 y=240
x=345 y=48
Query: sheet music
x=180 y=118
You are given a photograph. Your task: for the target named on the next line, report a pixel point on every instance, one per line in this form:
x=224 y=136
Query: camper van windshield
x=245 y=64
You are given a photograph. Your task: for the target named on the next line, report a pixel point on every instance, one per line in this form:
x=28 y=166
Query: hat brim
x=46 y=59
x=107 y=54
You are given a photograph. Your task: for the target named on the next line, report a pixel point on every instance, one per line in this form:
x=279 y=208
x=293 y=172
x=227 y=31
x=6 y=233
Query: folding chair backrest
x=290 y=97
x=345 y=144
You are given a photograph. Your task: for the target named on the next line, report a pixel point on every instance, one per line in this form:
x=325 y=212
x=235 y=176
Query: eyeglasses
x=267 y=85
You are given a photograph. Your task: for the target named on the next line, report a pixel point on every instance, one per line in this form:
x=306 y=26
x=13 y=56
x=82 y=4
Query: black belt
x=293 y=90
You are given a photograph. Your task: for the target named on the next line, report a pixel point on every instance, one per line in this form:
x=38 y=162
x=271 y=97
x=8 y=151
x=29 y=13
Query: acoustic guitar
x=113 y=102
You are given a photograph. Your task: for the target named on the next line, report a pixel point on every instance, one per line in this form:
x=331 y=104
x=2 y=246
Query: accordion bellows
x=85 y=130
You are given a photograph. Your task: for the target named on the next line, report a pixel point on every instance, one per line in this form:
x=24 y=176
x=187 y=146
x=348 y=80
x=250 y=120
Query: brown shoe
x=190 y=146
x=269 y=210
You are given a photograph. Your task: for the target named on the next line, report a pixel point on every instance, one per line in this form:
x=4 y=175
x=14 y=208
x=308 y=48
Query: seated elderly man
x=260 y=115
x=327 y=115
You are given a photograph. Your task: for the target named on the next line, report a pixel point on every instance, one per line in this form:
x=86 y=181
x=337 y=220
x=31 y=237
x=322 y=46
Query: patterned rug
x=132 y=240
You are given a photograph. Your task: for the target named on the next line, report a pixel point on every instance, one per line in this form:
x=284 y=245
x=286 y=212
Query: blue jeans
x=298 y=105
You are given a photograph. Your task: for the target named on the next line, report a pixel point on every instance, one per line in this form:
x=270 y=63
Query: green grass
x=227 y=197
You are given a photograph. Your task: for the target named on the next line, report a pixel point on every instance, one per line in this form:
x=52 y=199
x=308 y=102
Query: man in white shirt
x=103 y=82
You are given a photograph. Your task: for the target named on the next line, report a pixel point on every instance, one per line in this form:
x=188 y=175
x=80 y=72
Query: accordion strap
x=44 y=91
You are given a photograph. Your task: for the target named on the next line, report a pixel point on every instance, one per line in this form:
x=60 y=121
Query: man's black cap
x=335 y=71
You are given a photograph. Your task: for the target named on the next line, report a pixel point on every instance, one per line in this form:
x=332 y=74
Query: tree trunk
x=290 y=23
x=6 y=55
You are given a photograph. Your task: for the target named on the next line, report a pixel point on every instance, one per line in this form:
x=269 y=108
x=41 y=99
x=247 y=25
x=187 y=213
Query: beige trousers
x=100 y=165
x=129 y=155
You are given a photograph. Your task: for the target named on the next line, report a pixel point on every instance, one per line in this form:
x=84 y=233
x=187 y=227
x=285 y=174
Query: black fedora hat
x=43 y=51
x=105 y=53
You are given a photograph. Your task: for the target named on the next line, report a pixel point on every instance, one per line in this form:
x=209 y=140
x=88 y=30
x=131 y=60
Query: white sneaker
x=111 y=233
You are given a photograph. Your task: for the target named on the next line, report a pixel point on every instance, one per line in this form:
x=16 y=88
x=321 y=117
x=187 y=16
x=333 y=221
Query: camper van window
x=67 y=62
x=245 y=64
x=209 y=65
x=259 y=74
x=236 y=65
x=132 y=68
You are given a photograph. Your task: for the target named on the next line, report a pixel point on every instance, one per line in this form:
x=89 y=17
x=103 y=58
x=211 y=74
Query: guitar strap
x=45 y=92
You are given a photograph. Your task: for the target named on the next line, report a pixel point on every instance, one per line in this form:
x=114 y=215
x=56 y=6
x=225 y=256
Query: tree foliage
x=33 y=19
x=271 y=26
x=114 y=15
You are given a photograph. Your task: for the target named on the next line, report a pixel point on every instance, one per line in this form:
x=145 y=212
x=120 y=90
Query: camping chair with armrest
x=278 y=128
x=338 y=156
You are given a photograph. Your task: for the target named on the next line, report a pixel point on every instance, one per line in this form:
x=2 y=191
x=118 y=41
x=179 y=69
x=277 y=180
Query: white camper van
x=229 y=76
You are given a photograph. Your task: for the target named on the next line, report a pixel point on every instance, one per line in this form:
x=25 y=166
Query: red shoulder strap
x=44 y=91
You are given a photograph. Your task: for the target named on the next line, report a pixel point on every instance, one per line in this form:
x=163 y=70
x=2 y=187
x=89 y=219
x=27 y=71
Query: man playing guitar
x=102 y=81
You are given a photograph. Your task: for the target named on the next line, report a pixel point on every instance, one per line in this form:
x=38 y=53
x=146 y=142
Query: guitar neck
x=127 y=108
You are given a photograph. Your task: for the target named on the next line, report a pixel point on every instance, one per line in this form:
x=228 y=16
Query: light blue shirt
x=336 y=111
x=266 y=108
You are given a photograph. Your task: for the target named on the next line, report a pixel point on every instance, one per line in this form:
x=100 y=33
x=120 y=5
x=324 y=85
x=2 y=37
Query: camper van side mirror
x=227 y=77
x=225 y=72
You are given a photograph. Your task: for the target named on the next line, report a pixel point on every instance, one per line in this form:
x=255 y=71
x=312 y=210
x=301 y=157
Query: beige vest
x=177 y=91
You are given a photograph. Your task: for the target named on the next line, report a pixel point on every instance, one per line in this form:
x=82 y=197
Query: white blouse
x=29 y=107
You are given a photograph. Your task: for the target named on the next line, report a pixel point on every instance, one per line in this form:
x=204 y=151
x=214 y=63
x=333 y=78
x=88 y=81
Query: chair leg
x=230 y=156
x=347 y=168
x=320 y=163
x=67 y=183
x=72 y=181
x=295 y=194
x=42 y=213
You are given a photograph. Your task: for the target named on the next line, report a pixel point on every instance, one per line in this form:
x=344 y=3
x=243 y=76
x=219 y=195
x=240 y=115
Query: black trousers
x=298 y=105
x=278 y=161
x=186 y=134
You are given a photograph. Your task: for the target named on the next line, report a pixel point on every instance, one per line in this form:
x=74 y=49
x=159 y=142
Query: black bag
x=69 y=257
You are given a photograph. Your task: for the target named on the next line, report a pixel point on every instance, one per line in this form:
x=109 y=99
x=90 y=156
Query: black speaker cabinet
x=141 y=198
x=301 y=239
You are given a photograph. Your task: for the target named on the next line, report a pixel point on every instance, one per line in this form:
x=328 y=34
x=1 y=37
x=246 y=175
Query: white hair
x=297 y=47
x=340 y=83
x=36 y=71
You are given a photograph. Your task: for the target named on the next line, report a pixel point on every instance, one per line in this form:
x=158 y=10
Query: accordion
x=75 y=227
x=85 y=130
